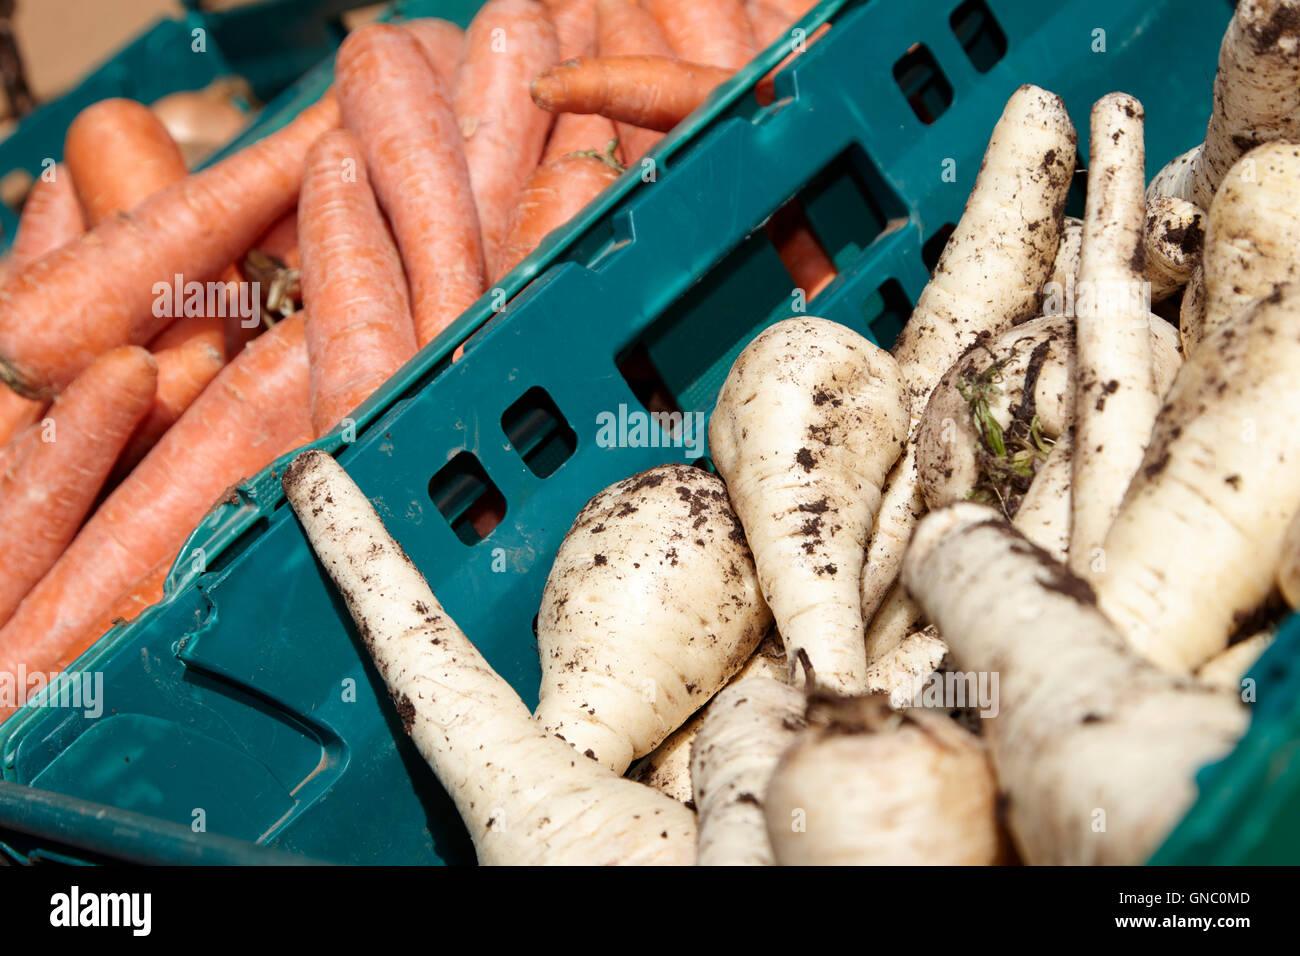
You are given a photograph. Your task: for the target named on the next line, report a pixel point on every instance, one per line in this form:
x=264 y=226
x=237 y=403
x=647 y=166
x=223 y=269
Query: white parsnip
x=991 y=274
x=1191 y=312
x=1256 y=99
x=900 y=673
x=652 y=603
x=1096 y=750
x=1252 y=242
x=1288 y=571
x=1174 y=237
x=745 y=730
x=525 y=796
x=1044 y=513
x=1065 y=268
x=1195 y=549
x=865 y=786
x=1227 y=669
x=808 y=422
x=1115 y=396
x=667 y=768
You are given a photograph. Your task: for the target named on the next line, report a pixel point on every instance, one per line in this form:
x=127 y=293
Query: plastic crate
x=269 y=44
x=246 y=695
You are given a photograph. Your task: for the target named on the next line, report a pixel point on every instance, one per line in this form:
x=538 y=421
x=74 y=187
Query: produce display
x=1091 y=515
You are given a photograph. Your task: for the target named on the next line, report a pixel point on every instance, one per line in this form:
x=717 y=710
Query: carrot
x=120 y=154
x=651 y=91
x=508 y=43
x=768 y=23
x=52 y=478
x=577 y=133
x=717 y=32
x=553 y=194
x=395 y=105
x=92 y=295
x=184 y=371
x=360 y=331
x=255 y=410
x=800 y=250
x=442 y=42
x=575 y=26
x=794 y=10
x=16 y=413
x=144 y=594
x=51 y=218
x=623 y=28
x=183 y=331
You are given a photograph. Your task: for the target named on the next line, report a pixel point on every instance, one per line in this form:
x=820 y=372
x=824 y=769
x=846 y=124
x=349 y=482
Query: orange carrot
x=623 y=28
x=800 y=250
x=553 y=194
x=793 y=10
x=507 y=44
x=51 y=218
x=191 y=328
x=184 y=371
x=651 y=91
x=255 y=410
x=716 y=33
x=442 y=42
x=56 y=471
x=395 y=105
x=97 y=293
x=579 y=132
x=575 y=26
x=16 y=413
x=144 y=594
x=768 y=23
x=120 y=154
x=361 y=330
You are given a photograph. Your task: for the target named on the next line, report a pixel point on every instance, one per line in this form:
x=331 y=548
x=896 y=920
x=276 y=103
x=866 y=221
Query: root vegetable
x=1227 y=669
x=1252 y=235
x=1044 y=513
x=1256 y=99
x=1065 y=268
x=717 y=33
x=97 y=293
x=51 y=218
x=1115 y=396
x=442 y=42
x=651 y=605
x=978 y=287
x=1096 y=751
x=807 y=425
x=624 y=28
x=524 y=795
x=901 y=672
x=745 y=730
x=51 y=481
x=800 y=249
x=360 y=330
x=667 y=768
x=652 y=92
x=1195 y=549
x=1288 y=574
x=865 y=786
x=1175 y=235
x=394 y=103
x=507 y=44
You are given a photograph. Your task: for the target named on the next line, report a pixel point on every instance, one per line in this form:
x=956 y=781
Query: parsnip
x=1096 y=750
x=1065 y=268
x=1198 y=541
x=1191 y=312
x=1253 y=233
x=1115 y=395
x=1174 y=237
x=990 y=276
x=1256 y=99
x=807 y=425
x=745 y=730
x=1288 y=571
x=667 y=768
x=900 y=673
x=524 y=795
x=1044 y=513
x=866 y=786
x=652 y=603
x=1227 y=669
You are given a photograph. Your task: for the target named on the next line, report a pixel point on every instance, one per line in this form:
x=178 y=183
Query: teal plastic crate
x=270 y=44
x=246 y=696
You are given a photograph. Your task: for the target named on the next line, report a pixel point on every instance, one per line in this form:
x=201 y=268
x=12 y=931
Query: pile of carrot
x=436 y=163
